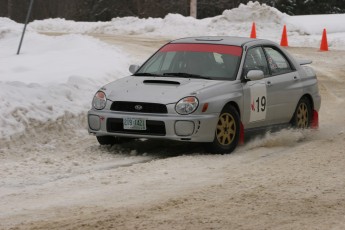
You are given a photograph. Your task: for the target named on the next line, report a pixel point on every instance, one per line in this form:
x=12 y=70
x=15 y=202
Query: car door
x=284 y=86
x=255 y=95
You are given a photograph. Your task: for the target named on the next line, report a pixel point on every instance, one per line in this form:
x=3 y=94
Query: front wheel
x=302 y=116
x=227 y=131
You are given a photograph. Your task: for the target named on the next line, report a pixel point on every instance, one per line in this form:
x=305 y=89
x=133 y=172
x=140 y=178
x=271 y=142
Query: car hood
x=163 y=90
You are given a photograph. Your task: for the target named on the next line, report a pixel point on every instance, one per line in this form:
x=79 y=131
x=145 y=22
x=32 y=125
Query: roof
x=221 y=40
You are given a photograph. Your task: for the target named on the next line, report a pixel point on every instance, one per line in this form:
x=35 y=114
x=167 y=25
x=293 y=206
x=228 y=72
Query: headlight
x=99 y=100
x=187 y=105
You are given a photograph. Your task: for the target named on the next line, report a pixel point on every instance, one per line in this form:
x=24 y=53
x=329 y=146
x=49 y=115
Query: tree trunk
x=193 y=8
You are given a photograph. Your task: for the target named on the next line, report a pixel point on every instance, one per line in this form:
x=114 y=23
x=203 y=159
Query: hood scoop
x=165 y=82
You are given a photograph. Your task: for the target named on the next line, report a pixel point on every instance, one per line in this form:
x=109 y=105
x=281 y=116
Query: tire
x=302 y=116
x=106 y=140
x=227 y=131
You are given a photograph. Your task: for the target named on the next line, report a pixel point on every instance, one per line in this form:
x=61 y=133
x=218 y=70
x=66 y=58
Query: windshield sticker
x=213 y=48
x=258 y=101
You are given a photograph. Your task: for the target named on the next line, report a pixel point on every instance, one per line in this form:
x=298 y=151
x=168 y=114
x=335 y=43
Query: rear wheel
x=227 y=131
x=302 y=116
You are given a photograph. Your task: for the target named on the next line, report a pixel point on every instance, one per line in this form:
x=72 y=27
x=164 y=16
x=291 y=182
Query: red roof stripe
x=222 y=49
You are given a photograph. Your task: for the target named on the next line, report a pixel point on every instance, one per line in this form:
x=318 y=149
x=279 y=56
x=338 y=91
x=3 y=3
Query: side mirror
x=254 y=75
x=133 y=68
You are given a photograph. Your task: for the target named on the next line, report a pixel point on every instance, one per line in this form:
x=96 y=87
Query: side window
x=277 y=62
x=256 y=60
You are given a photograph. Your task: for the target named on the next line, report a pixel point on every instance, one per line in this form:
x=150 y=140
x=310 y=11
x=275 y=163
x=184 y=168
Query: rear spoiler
x=304 y=62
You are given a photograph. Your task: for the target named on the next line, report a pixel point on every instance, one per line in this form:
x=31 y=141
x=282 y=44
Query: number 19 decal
x=258 y=105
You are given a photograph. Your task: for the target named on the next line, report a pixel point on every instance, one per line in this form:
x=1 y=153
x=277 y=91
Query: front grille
x=115 y=125
x=138 y=107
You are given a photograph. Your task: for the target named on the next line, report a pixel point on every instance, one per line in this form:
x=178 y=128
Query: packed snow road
x=58 y=177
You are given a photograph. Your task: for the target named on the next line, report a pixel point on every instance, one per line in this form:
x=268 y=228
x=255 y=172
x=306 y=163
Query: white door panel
x=255 y=104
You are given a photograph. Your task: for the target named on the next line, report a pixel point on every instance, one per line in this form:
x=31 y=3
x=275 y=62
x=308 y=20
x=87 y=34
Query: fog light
x=94 y=122
x=184 y=128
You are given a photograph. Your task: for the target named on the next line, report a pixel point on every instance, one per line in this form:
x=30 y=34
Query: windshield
x=207 y=61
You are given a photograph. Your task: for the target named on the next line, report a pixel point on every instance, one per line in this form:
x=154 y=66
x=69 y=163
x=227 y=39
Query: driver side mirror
x=133 y=68
x=254 y=75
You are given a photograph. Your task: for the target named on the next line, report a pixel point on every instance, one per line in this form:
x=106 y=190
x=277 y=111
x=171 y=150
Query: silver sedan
x=213 y=90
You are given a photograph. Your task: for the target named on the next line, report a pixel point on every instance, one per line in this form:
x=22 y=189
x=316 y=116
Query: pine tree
x=287 y=6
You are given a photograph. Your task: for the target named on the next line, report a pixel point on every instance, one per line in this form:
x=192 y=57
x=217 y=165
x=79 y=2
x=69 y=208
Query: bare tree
x=9 y=8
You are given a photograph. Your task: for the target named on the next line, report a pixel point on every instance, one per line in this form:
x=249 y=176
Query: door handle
x=268 y=83
x=295 y=78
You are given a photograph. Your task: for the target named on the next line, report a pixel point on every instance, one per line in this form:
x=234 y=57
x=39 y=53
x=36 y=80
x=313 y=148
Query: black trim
x=261 y=131
x=138 y=107
x=161 y=82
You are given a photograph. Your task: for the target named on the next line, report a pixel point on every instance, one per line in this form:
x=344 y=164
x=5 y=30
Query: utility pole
x=193 y=8
x=26 y=22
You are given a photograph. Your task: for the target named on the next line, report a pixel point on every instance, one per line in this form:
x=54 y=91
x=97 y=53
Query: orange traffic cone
x=284 y=40
x=324 y=43
x=253 y=33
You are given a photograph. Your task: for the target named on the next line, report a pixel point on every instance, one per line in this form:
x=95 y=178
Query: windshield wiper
x=186 y=75
x=147 y=74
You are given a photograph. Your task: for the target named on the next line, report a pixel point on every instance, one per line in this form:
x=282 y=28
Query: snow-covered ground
x=55 y=76
x=55 y=176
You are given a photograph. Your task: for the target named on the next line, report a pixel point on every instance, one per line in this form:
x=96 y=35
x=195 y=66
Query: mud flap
x=315 y=120
x=241 y=139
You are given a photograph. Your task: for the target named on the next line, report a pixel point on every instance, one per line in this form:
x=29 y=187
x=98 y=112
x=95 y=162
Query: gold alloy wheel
x=226 y=129
x=302 y=116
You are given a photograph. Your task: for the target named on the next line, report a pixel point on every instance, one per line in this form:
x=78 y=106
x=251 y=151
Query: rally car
x=211 y=90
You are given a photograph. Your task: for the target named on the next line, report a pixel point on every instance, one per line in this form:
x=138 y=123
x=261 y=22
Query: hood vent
x=161 y=82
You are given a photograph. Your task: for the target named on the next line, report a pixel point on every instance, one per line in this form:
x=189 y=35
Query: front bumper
x=194 y=128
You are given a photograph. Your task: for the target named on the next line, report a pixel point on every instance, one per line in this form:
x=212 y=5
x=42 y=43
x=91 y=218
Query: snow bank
x=254 y=11
x=314 y=24
x=238 y=21
x=234 y=22
x=52 y=77
x=9 y=28
x=231 y=22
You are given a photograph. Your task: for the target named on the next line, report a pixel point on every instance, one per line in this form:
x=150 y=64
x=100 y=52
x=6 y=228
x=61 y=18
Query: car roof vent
x=161 y=82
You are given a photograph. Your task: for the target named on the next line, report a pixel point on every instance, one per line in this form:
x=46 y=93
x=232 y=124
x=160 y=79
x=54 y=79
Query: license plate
x=134 y=123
